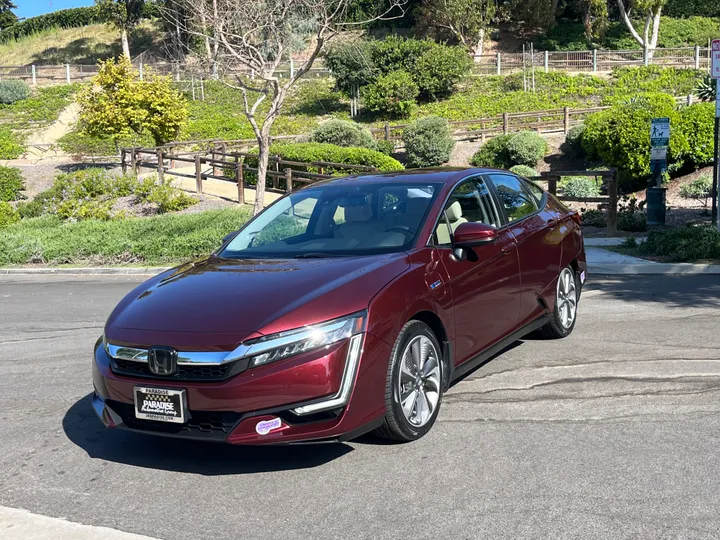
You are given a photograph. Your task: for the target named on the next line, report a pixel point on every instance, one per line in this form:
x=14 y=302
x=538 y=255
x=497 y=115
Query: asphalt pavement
x=613 y=432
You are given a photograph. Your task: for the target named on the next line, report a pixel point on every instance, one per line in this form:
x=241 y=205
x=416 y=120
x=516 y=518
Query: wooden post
x=123 y=164
x=506 y=123
x=499 y=65
x=321 y=170
x=595 y=64
x=240 y=180
x=697 y=56
x=133 y=160
x=198 y=175
x=552 y=181
x=566 y=119
x=160 y=165
x=612 y=205
x=277 y=170
x=387 y=131
x=288 y=180
x=547 y=61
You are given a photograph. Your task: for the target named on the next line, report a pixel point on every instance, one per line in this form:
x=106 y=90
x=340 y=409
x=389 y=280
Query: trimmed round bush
x=11 y=184
x=8 y=215
x=351 y=64
x=697 y=124
x=526 y=148
x=344 y=133
x=12 y=91
x=493 y=153
x=393 y=94
x=580 y=186
x=573 y=140
x=523 y=170
x=428 y=142
x=439 y=69
x=386 y=147
x=620 y=137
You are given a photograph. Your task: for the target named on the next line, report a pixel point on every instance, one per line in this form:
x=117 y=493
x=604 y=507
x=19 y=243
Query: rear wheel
x=413 y=388
x=562 y=320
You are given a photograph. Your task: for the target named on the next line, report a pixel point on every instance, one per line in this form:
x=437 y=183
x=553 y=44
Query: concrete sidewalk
x=604 y=262
x=18 y=524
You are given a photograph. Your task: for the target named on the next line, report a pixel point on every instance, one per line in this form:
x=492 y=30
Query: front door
x=485 y=284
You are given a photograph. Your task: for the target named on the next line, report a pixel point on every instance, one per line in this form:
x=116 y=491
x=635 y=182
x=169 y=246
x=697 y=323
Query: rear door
x=485 y=285
x=533 y=225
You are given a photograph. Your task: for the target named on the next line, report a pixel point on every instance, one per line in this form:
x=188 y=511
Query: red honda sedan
x=345 y=307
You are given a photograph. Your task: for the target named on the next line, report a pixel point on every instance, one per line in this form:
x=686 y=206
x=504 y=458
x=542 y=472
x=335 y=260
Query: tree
x=119 y=104
x=7 y=17
x=124 y=15
x=651 y=9
x=466 y=19
x=249 y=39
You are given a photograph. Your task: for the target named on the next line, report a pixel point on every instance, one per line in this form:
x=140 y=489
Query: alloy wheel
x=567 y=298
x=419 y=381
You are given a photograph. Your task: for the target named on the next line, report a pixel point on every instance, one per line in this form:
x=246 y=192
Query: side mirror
x=469 y=235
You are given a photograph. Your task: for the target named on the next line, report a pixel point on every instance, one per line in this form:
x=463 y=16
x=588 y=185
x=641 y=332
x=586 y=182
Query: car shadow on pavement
x=84 y=429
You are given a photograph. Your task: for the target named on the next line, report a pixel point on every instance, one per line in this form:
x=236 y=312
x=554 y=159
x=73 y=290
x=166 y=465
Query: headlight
x=292 y=342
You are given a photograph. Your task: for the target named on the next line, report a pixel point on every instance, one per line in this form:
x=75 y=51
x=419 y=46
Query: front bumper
x=232 y=410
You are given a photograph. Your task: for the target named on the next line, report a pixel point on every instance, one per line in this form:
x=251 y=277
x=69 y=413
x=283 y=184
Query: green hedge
x=309 y=152
x=344 y=133
x=697 y=123
x=64 y=18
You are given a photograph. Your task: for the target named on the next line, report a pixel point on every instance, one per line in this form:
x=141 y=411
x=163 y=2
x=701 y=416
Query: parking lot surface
x=613 y=432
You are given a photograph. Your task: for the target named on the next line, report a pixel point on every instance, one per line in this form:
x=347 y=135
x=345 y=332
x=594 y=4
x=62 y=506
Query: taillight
x=576 y=217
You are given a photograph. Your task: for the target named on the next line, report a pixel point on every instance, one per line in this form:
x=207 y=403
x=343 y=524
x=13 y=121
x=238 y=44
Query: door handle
x=551 y=221
x=507 y=249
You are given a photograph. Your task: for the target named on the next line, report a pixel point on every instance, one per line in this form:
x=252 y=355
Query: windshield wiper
x=315 y=255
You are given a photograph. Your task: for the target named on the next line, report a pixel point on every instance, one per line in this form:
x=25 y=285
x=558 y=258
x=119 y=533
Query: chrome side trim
x=348 y=379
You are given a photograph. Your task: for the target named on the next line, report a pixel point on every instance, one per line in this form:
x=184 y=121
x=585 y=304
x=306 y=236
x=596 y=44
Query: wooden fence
x=490 y=64
x=222 y=163
x=609 y=177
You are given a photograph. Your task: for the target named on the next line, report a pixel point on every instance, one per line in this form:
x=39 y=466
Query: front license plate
x=160 y=404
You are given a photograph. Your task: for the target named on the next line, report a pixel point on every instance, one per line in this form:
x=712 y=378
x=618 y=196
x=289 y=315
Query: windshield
x=337 y=220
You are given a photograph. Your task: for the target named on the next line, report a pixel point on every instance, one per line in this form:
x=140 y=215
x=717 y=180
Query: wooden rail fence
x=231 y=166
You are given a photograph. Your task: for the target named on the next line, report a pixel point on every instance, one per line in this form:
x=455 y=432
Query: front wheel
x=413 y=388
x=562 y=320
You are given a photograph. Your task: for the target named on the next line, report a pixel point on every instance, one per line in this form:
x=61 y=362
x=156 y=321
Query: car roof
x=443 y=175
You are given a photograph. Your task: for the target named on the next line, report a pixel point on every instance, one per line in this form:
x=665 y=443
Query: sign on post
x=659 y=132
x=715 y=63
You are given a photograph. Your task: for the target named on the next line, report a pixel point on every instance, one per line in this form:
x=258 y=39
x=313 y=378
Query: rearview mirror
x=471 y=234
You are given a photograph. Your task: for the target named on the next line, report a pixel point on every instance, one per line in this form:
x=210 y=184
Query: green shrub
x=167 y=197
x=524 y=170
x=398 y=53
x=12 y=91
x=690 y=243
x=439 y=69
x=493 y=153
x=699 y=189
x=386 y=147
x=573 y=140
x=428 y=142
x=706 y=88
x=630 y=215
x=526 y=148
x=11 y=184
x=580 y=186
x=593 y=218
x=620 y=136
x=343 y=133
x=697 y=123
x=309 y=152
x=393 y=94
x=10 y=145
x=8 y=215
x=351 y=64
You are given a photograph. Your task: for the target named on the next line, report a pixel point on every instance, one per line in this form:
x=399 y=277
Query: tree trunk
x=655 y=32
x=263 y=158
x=477 y=53
x=125 y=43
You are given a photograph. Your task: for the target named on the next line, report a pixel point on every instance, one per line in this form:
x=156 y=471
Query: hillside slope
x=84 y=45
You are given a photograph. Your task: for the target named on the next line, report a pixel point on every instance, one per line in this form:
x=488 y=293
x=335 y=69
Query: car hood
x=214 y=304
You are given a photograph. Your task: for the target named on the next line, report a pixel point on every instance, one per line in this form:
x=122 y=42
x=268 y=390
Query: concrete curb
x=653 y=269
x=120 y=271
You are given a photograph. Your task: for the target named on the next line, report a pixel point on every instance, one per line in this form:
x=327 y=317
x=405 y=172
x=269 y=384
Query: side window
x=517 y=201
x=469 y=202
x=535 y=190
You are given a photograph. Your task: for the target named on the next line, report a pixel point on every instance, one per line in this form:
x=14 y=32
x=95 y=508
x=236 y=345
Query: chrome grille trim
x=184 y=358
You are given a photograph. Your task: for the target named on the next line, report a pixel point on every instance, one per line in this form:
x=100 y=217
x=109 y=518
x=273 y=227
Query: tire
x=564 y=315
x=422 y=395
